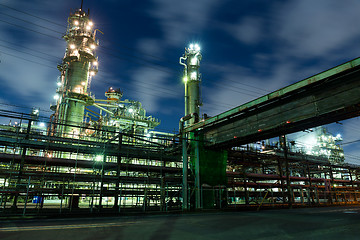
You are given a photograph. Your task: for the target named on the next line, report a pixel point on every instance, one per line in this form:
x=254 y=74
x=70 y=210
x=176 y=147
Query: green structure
x=212 y=172
x=78 y=66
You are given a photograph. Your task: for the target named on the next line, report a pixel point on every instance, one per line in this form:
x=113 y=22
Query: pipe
x=104 y=109
x=181 y=63
x=197 y=174
x=185 y=157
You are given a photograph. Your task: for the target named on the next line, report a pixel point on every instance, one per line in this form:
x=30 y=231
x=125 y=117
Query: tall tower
x=79 y=65
x=192 y=79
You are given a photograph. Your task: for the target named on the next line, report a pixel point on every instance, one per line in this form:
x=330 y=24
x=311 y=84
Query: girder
x=327 y=97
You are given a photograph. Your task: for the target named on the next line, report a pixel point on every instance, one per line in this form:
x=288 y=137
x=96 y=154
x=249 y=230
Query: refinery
x=106 y=154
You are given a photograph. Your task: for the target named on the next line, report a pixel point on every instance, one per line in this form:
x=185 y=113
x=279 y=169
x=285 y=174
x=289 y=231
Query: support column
x=22 y=163
x=281 y=180
x=247 y=202
x=352 y=184
x=117 y=189
x=102 y=181
x=311 y=197
x=197 y=174
x=185 y=172
x=288 y=183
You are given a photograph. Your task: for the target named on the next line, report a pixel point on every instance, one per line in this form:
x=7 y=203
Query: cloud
x=238 y=85
x=150 y=48
x=28 y=58
x=181 y=20
x=315 y=28
x=151 y=88
x=248 y=30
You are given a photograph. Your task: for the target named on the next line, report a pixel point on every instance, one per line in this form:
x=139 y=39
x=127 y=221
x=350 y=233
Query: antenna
x=82 y=1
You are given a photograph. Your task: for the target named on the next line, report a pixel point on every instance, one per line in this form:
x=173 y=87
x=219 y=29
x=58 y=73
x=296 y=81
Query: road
x=310 y=223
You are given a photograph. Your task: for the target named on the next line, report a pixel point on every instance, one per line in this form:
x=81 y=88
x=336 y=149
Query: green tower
x=79 y=65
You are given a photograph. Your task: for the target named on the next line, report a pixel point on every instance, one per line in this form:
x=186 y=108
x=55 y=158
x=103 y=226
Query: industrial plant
x=105 y=154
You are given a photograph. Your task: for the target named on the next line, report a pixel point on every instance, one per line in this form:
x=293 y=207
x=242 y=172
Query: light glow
x=185 y=79
x=91 y=24
x=42 y=124
x=197 y=47
x=95 y=63
x=58 y=84
x=76 y=23
x=194 y=61
x=193 y=76
x=72 y=46
x=92 y=46
x=56 y=97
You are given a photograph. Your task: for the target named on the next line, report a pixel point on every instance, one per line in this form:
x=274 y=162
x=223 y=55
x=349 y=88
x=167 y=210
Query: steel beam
x=328 y=97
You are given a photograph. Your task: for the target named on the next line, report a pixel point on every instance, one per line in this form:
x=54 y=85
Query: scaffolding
x=119 y=172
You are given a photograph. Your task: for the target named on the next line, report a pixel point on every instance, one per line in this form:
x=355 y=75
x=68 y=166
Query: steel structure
x=112 y=160
x=124 y=170
x=78 y=67
x=132 y=172
x=324 y=98
x=192 y=80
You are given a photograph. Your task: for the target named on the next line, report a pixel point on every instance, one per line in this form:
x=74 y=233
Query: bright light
x=56 y=97
x=191 y=47
x=98 y=158
x=92 y=46
x=76 y=23
x=197 y=47
x=193 y=76
x=95 y=63
x=338 y=136
x=88 y=27
x=185 y=79
x=131 y=110
x=83 y=83
x=59 y=84
x=92 y=73
x=148 y=135
x=42 y=124
x=72 y=46
x=194 y=61
x=91 y=23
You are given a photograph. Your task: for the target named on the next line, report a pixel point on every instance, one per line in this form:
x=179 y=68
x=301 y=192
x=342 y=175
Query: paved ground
x=316 y=223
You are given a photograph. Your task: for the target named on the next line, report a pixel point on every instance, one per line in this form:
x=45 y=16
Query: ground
x=306 y=223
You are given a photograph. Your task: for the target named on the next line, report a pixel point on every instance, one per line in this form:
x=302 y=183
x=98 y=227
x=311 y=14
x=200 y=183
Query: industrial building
x=96 y=155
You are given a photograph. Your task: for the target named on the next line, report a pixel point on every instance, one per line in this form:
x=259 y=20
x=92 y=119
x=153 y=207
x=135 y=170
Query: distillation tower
x=79 y=65
x=192 y=78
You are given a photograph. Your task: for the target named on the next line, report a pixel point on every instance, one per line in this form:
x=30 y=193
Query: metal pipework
x=78 y=66
x=185 y=157
x=192 y=78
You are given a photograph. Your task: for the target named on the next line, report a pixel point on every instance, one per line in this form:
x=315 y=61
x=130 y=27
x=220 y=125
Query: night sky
x=249 y=48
